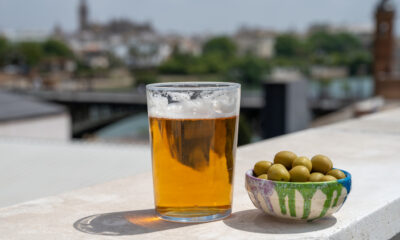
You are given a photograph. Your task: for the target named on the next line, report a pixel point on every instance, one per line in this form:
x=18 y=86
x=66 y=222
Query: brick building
x=387 y=80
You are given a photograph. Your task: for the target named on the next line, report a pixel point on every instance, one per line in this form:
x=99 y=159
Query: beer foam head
x=193 y=102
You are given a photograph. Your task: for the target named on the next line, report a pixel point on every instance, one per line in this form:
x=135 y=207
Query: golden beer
x=193 y=163
x=193 y=135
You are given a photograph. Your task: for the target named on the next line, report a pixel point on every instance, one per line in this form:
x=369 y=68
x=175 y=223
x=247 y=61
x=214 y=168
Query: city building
x=328 y=72
x=136 y=44
x=258 y=42
x=190 y=45
x=286 y=74
x=34 y=35
x=115 y=26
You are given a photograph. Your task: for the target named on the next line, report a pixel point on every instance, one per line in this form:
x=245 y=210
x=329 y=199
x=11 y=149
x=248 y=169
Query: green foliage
x=83 y=70
x=114 y=61
x=219 y=57
x=288 y=45
x=244 y=131
x=55 y=48
x=177 y=64
x=188 y=64
x=339 y=49
x=144 y=78
x=249 y=70
x=218 y=53
x=3 y=44
x=323 y=42
x=223 y=47
x=322 y=48
x=360 y=62
x=30 y=52
x=216 y=62
x=4 y=49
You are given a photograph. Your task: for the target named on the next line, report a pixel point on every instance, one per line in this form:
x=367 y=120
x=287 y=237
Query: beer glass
x=193 y=134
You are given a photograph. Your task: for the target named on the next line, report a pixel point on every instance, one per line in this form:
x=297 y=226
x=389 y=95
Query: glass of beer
x=193 y=134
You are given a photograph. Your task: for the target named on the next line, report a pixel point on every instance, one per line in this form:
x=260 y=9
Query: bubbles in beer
x=193 y=104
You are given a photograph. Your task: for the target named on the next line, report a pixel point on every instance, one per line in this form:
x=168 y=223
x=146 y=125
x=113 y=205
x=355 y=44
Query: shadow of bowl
x=259 y=222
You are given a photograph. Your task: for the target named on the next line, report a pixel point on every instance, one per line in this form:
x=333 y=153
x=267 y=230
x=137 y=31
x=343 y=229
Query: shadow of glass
x=124 y=223
x=256 y=221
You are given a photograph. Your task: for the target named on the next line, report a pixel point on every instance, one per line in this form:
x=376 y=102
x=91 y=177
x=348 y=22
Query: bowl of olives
x=297 y=187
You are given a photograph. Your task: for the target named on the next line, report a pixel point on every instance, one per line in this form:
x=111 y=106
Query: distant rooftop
x=15 y=107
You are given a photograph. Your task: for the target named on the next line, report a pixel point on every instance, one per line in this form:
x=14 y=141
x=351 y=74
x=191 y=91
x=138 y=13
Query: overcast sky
x=191 y=16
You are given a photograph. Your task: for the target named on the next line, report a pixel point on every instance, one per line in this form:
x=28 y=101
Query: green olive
x=321 y=163
x=303 y=161
x=299 y=174
x=328 y=178
x=285 y=158
x=316 y=177
x=336 y=173
x=263 y=176
x=278 y=172
x=261 y=167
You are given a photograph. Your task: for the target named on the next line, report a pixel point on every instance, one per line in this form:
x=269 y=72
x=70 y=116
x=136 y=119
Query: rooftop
x=19 y=107
x=366 y=147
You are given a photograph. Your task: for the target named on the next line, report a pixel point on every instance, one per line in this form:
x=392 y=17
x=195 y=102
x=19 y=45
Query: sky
x=192 y=16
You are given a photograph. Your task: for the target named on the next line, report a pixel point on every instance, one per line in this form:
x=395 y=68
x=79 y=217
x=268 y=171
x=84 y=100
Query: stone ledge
x=366 y=147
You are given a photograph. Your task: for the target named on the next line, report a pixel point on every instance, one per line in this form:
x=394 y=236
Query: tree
x=288 y=45
x=360 y=62
x=339 y=49
x=182 y=63
x=250 y=71
x=244 y=130
x=215 y=63
x=30 y=52
x=55 y=48
x=4 y=48
x=144 y=77
x=221 y=46
x=323 y=42
x=178 y=63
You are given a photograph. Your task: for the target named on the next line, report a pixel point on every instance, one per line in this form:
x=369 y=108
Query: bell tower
x=384 y=38
x=83 y=15
x=383 y=43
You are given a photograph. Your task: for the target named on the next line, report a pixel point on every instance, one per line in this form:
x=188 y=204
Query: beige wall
x=53 y=127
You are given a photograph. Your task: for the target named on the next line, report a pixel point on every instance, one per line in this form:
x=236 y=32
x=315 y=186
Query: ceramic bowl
x=301 y=201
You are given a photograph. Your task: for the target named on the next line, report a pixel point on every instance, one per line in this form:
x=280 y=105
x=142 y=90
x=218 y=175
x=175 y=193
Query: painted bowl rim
x=249 y=173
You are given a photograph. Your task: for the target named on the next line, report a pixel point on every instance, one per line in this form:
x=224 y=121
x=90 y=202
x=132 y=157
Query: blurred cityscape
x=90 y=83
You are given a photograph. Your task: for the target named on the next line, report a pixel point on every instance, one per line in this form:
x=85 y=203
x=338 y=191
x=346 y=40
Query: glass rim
x=187 y=86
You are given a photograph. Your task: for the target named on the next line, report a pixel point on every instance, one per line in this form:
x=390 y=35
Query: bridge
x=248 y=101
x=92 y=110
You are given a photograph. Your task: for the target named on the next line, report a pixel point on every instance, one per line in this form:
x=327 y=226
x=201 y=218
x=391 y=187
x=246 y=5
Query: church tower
x=383 y=42
x=83 y=15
